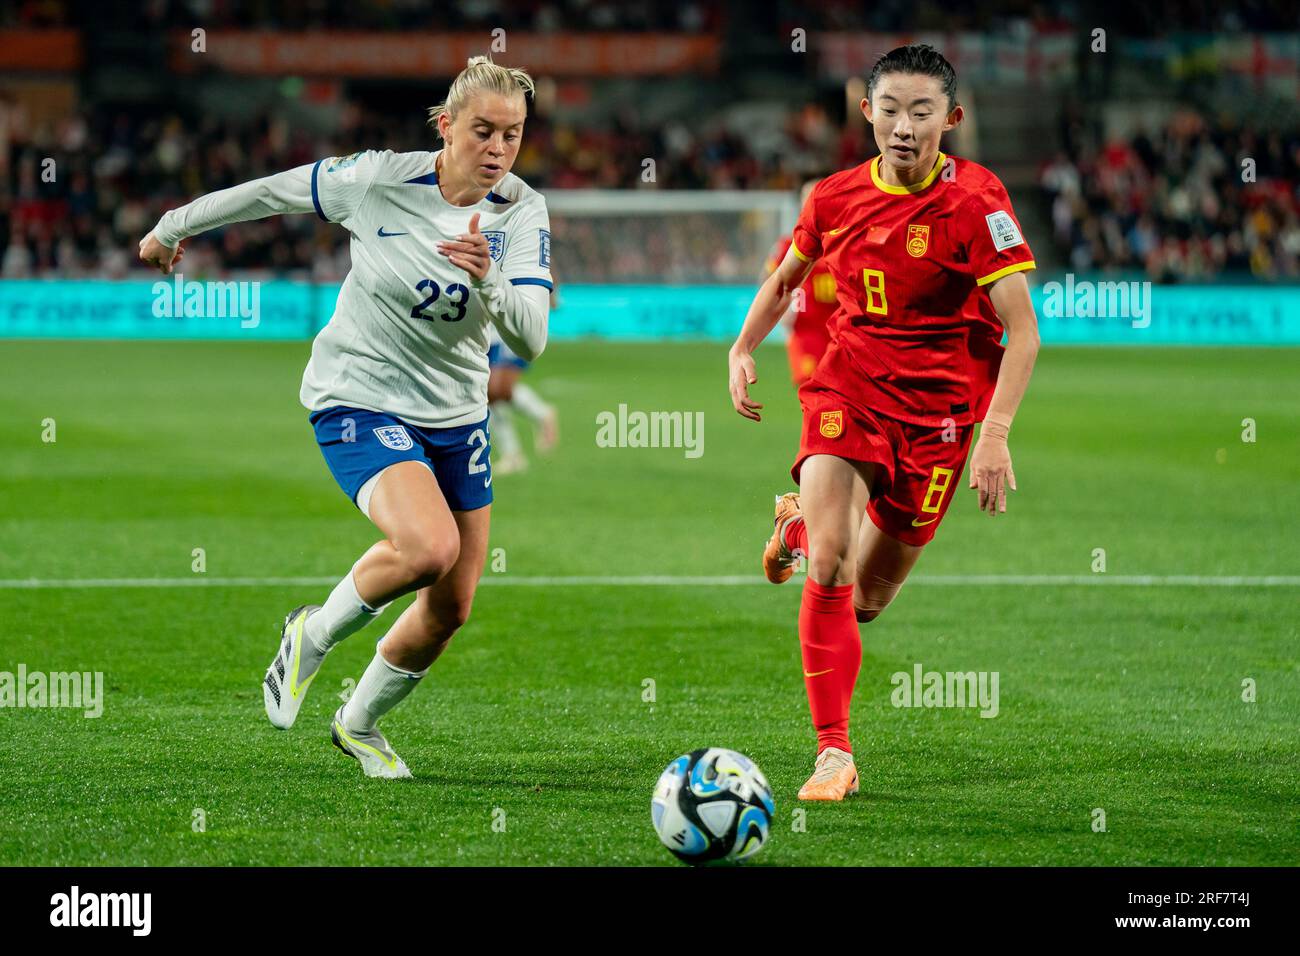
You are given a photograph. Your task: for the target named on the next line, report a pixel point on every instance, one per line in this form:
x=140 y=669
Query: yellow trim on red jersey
x=798 y=254
x=1014 y=267
x=907 y=190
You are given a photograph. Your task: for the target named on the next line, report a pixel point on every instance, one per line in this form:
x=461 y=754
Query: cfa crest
x=496 y=240
x=832 y=424
x=918 y=240
x=394 y=437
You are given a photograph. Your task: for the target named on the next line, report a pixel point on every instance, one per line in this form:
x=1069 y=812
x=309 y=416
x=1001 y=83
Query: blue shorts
x=499 y=354
x=358 y=444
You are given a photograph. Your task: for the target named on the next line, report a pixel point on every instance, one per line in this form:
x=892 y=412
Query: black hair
x=918 y=58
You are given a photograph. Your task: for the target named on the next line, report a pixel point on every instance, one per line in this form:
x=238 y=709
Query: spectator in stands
x=1193 y=200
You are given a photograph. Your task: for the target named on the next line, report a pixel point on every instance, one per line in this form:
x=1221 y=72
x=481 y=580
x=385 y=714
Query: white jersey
x=410 y=331
x=408 y=336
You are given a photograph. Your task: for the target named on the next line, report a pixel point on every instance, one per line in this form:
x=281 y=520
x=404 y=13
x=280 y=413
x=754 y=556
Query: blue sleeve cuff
x=529 y=280
x=315 y=191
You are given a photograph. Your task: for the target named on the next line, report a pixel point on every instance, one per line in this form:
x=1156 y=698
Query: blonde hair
x=481 y=75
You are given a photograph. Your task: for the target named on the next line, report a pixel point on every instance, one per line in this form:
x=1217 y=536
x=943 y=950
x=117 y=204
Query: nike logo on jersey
x=918 y=523
x=836 y=232
x=818 y=673
x=385 y=235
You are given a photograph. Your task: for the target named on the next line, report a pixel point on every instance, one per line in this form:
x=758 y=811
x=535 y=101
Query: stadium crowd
x=690 y=16
x=114 y=173
x=76 y=196
x=1153 y=18
x=1191 y=200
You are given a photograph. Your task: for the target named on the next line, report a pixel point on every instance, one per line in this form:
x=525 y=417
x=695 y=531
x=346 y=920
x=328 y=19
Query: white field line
x=656 y=580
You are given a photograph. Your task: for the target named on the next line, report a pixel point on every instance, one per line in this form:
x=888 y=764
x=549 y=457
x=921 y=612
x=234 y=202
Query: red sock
x=832 y=655
x=796 y=536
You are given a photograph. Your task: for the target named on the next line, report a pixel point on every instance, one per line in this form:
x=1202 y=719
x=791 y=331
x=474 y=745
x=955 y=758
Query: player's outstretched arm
x=163 y=258
x=773 y=299
x=286 y=192
x=990 y=464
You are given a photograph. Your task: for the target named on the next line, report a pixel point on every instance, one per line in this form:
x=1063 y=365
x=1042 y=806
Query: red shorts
x=918 y=471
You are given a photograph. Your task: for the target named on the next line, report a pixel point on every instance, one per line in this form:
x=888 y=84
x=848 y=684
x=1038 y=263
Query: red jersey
x=918 y=339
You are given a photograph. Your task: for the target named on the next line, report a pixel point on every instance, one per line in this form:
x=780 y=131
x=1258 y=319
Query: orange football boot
x=778 y=560
x=834 y=779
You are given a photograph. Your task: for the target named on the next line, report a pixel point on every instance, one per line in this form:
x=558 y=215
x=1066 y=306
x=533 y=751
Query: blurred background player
x=507 y=395
x=808 y=323
x=930 y=261
x=397 y=383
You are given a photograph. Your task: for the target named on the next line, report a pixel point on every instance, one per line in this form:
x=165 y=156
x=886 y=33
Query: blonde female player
x=929 y=262
x=445 y=245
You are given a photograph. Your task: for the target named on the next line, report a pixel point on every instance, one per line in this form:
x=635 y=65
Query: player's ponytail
x=481 y=75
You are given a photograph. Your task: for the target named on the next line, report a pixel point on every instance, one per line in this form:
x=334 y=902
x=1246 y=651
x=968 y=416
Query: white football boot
x=289 y=675
x=370 y=749
x=510 y=463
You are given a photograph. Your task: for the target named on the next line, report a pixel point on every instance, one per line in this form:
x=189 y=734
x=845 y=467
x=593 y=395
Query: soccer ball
x=712 y=804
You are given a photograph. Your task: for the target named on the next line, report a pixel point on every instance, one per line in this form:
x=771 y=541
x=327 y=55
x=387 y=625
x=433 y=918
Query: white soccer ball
x=712 y=804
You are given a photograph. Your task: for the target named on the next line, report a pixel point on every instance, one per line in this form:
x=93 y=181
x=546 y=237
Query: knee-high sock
x=342 y=614
x=832 y=655
x=381 y=688
x=529 y=403
x=796 y=536
x=505 y=438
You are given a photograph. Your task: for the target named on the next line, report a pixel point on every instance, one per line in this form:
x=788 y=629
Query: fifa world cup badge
x=832 y=424
x=918 y=240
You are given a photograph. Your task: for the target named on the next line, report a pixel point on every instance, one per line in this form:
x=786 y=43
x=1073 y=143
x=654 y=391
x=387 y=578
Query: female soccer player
x=445 y=245
x=929 y=263
x=508 y=396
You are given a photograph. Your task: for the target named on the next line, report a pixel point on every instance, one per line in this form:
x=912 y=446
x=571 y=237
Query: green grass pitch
x=1123 y=698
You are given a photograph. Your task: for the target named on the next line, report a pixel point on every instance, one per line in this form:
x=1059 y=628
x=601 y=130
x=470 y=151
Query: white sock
x=529 y=403
x=343 y=613
x=381 y=688
x=505 y=439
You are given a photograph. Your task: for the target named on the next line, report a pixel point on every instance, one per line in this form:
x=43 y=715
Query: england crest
x=394 y=437
x=496 y=240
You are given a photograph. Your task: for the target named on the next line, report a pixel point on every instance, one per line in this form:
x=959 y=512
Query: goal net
x=666 y=236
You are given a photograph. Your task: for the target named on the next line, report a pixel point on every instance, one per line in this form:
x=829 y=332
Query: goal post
x=660 y=236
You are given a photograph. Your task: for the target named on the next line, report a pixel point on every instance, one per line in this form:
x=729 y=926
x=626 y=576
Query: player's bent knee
x=446 y=618
x=866 y=615
x=452 y=617
x=827 y=566
x=428 y=562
